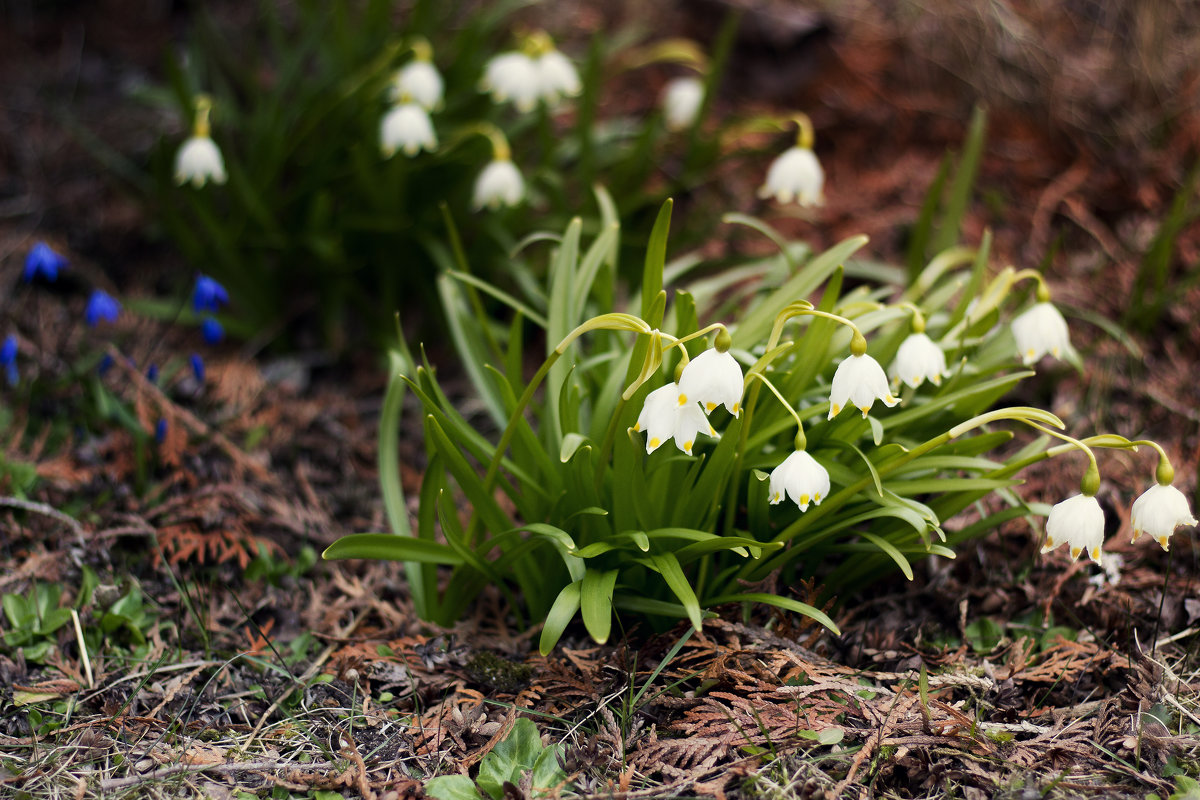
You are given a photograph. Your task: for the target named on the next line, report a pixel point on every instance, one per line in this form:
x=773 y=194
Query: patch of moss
x=498 y=673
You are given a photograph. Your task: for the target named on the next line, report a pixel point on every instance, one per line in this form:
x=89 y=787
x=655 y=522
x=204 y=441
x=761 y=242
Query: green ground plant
x=601 y=517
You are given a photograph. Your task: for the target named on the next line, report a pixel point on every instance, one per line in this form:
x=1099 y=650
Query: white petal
x=681 y=100
x=801 y=478
x=1039 y=331
x=1159 y=511
x=557 y=77
x=1077 y=522
x=861 y=381
x=797 y=174
x=711 y=379
x=499 y=184
x=406 y=127
x=420 y=81
x=513 y=77
x=689 y=423
x=658 y=416
x=918 y=359
x=199 y=160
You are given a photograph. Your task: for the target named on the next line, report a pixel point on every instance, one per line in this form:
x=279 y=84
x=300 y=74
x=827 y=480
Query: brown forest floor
x=279 y=454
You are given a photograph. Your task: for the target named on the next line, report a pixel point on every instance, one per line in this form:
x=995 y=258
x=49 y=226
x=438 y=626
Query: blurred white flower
x=557 y=77
x=795 y=175
x=1079 y=523
x=406 y=127
x=1158 y=512
x=499 y=184
x=513 y=77
x=1041 y=330
x=919 y=358
x=802 y=478
x=199 y=161
x=664 y=417
x=420 y=82
x=681 y=101
x=860 y=381
x=712 y=378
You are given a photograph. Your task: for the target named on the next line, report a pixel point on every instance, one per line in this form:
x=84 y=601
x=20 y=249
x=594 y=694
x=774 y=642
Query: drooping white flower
x=557 y=77
x=681 y=101
x=919 y=358
x=801 y=478
x=499 y=184
x=420 y=82
x=1041 y=330
x=795 y=175
x=406 y=127
x=1158 y=512
x=663 y=418
x=1077 y=522
x=199 y=161
x=513 y=77
x=860 y=381
x=711 y=379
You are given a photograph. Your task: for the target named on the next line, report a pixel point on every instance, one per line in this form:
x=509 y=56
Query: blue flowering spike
x=160 y=431
x=105 y=365
x=101 y=306
x=198 y=367
x=208 y=295
x=8 y=359
x=212 y=331
x=152 y=373
x=42 y=260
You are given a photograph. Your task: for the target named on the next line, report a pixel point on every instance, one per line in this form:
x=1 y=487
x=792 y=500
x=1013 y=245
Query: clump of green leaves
x=34 y=619
x=521 y=762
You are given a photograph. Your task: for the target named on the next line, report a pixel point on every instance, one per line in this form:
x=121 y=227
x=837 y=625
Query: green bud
x=858 y=345
x=723 y=341
x=1091 y=481
x=1165 y=474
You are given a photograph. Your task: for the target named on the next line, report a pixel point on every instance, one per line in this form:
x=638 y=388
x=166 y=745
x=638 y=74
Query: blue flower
x=212 y=331
x=42 y=261
x=160 y=431
x=101 y=306
x=152 y=373
x=208 y=294
x=105 y=364
x=198 y=367
x=8 y=359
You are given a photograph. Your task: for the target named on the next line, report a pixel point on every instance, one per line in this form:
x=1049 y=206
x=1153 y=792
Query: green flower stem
x=1043 y=291
x=804 y=136
x=201 y=127
x=1164 y=474
x=918 y=319
x=500 y=149
x=800 y=441
x=836 y=501
x=1090 y=483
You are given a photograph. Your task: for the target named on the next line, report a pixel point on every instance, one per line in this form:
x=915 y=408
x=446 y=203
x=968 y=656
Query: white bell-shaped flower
x=711 y=379
x=1041 y=330
x=557 y=77
x=796 y=175
x=199 y=161
x=1077 y=522
x=406 y=127
x=1158 y=512
x=663 y=418
x=681 y=101
x=513 y=77
x=499 y=184
x=859 y=381
x=918 y=359
x=801 y=478
x=420 y=82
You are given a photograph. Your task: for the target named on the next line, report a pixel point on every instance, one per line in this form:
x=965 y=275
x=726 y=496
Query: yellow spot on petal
x=736 y=408
x=776 y=497
x=637 y=428
x=709 y=406
x=817 y=498
x=835 y=410
x=1075 y=551
x=1049 y=544
x=1162 y=541
x=803 y=499
x=655 y=442
x=711 y=431
x=864 y=409
x=1054 y=351
x=687 y=447
x=1136 y=534
x=937 y=379
x=1030 y=354
x=1096 y=554
x=683 y=399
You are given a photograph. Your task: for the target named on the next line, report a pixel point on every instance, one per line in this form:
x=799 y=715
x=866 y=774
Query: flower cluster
x=415 y=92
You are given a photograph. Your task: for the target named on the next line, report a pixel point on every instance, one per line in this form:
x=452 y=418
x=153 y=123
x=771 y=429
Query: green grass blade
x=561 y=613
x=595 y=599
